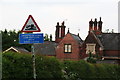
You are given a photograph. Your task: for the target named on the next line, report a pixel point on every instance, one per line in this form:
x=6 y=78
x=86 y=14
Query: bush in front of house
x=75 y=70
x=78 y=70
x=48 y=68
x=16 y=66
x=91 y=60
x=20 y=66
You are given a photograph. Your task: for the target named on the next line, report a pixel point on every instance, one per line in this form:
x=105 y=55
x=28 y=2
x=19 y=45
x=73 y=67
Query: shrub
x=20 y=66
x=91 y=60
x=48 y=67
x=16 y=65
x=82 y=70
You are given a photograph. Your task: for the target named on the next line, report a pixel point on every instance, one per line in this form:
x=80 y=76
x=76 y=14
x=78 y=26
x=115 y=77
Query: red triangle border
x=30 y=16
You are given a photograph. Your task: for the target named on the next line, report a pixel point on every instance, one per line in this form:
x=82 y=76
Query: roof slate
x=17 y=49
x=77 y=38
x=110 y=41
x=46 y=48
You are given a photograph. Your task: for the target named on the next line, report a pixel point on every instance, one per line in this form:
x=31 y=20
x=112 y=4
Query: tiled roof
x=17 y=49
x=110 y=41
x=77 y=38
x=46 y=48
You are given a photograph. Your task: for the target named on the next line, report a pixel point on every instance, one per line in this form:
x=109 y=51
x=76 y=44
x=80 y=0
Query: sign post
x=30 y=38
x=33 y=56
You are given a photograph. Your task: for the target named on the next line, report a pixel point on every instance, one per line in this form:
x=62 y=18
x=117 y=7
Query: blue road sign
x=31 y=38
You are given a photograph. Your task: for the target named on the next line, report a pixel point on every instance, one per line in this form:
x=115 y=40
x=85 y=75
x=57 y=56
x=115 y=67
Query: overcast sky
x=75 y=13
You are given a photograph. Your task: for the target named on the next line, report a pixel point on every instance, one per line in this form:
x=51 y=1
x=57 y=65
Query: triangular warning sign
x=30 y=25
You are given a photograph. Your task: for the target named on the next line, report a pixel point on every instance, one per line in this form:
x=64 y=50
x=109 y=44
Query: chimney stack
x=90 y=25
x=95 y=26
x=100 y=25
x=60 y=32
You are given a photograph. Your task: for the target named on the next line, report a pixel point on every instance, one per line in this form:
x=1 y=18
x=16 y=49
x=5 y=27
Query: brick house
x=69 y=47
x=105 y=45
x=65 y=47
x=17 y=49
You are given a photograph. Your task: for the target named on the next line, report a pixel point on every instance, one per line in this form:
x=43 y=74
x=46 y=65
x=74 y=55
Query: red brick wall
x=68 y=39
x=111 y=53
x=57 y=40
x=91 y=39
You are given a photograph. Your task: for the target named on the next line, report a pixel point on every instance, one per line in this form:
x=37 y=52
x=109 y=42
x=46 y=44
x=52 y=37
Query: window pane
x=69 y=48
x=90 y=48
x=65 y=48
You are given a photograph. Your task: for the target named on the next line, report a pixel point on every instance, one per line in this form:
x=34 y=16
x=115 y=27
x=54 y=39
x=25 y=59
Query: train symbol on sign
x=30 y=27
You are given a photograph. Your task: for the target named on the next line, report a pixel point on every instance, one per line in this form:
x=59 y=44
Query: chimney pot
x=63 y=23
x=57 y=23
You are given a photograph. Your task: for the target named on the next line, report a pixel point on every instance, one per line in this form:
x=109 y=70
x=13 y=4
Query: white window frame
x=90 y=49
x=67 y=48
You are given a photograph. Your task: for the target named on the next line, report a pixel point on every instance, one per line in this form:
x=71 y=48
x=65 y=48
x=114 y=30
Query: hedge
x=19 y=66
x=16 y=66
x=83 y=70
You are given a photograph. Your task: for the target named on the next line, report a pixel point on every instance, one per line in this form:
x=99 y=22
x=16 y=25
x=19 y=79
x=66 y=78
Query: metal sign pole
x=33 y=56
x=31 y=26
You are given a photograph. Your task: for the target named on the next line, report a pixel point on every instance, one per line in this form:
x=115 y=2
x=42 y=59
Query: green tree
x=11 y=38
x=46 y=37
x=48 y=68
x=16 y=66
x=50 y=37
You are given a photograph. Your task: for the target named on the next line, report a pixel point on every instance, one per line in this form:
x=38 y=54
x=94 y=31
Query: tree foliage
x=11 y=38
x=75 y=70
x=47 y=37
x=16 y=66
x=19 y=66
x=48 y=67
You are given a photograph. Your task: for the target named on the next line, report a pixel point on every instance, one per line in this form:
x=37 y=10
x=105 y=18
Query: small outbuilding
x=18 y=50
